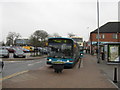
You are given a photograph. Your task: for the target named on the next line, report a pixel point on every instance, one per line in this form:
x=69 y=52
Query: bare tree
x=17 y=35
x=12 y=37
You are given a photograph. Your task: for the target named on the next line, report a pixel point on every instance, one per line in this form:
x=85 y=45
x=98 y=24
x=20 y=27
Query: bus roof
x=75 y=37
x=59 y=38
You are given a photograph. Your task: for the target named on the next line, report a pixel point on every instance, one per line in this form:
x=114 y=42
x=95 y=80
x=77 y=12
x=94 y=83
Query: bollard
x=103 y=56
x=119 y=75
x=79 y=63
x=115 y=75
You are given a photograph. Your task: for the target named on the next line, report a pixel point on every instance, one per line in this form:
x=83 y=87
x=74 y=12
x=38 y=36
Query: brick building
x=108 y=33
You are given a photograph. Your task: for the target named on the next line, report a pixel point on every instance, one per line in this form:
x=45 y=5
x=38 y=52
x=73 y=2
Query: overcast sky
x=55 y=16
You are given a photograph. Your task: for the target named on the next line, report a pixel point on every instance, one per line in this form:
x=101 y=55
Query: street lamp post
x=98 y=53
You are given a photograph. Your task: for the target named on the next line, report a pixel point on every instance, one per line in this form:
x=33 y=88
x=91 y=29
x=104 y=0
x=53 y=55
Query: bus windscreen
x=66 y=41
x=61 y=48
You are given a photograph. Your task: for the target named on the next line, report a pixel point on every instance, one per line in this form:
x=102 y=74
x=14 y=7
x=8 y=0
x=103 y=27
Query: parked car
x=11 y=49
x=30 y=48
x=25 y=50
x=4 y=53
x=19 y=53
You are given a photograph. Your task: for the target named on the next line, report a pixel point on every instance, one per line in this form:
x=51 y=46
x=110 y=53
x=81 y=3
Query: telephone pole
x=98 y=53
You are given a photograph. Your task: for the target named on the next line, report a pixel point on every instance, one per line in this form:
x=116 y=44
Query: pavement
x=89 y=75
x=108 y=69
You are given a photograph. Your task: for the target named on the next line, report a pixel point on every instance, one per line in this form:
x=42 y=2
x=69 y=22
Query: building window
x=103 y=36
x=97 y=36
x=115 y=36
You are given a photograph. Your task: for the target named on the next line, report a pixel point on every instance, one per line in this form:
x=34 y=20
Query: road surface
x=12 y=67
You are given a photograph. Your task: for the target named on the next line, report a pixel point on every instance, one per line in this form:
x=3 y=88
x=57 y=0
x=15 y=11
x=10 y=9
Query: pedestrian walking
x=2 y=64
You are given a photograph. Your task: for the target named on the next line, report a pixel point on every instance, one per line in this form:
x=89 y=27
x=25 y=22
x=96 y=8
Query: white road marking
x=34 y=63
x=18 y=61
x=113 y=83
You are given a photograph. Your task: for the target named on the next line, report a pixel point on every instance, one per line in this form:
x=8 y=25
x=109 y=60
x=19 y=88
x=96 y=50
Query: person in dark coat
x=2 y=64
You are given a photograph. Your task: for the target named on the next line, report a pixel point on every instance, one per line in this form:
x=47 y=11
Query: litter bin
x=58 y=67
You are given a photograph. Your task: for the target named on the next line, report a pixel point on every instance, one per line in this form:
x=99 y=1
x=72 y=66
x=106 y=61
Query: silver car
x=4 y=53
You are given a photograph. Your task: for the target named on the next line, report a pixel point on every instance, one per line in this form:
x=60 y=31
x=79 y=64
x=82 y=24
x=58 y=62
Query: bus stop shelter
x=112 y=53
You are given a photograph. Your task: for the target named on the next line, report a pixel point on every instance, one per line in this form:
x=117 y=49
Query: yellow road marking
x=13 y=75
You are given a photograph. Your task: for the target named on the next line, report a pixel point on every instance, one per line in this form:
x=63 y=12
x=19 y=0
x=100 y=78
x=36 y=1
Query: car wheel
x=15 y=56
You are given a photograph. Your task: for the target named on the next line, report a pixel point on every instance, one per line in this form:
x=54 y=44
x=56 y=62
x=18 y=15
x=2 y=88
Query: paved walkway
x=88 y=76
x=107 y=68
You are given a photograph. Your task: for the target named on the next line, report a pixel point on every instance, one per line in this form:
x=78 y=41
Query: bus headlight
x=50 y=59
x=67 y=60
